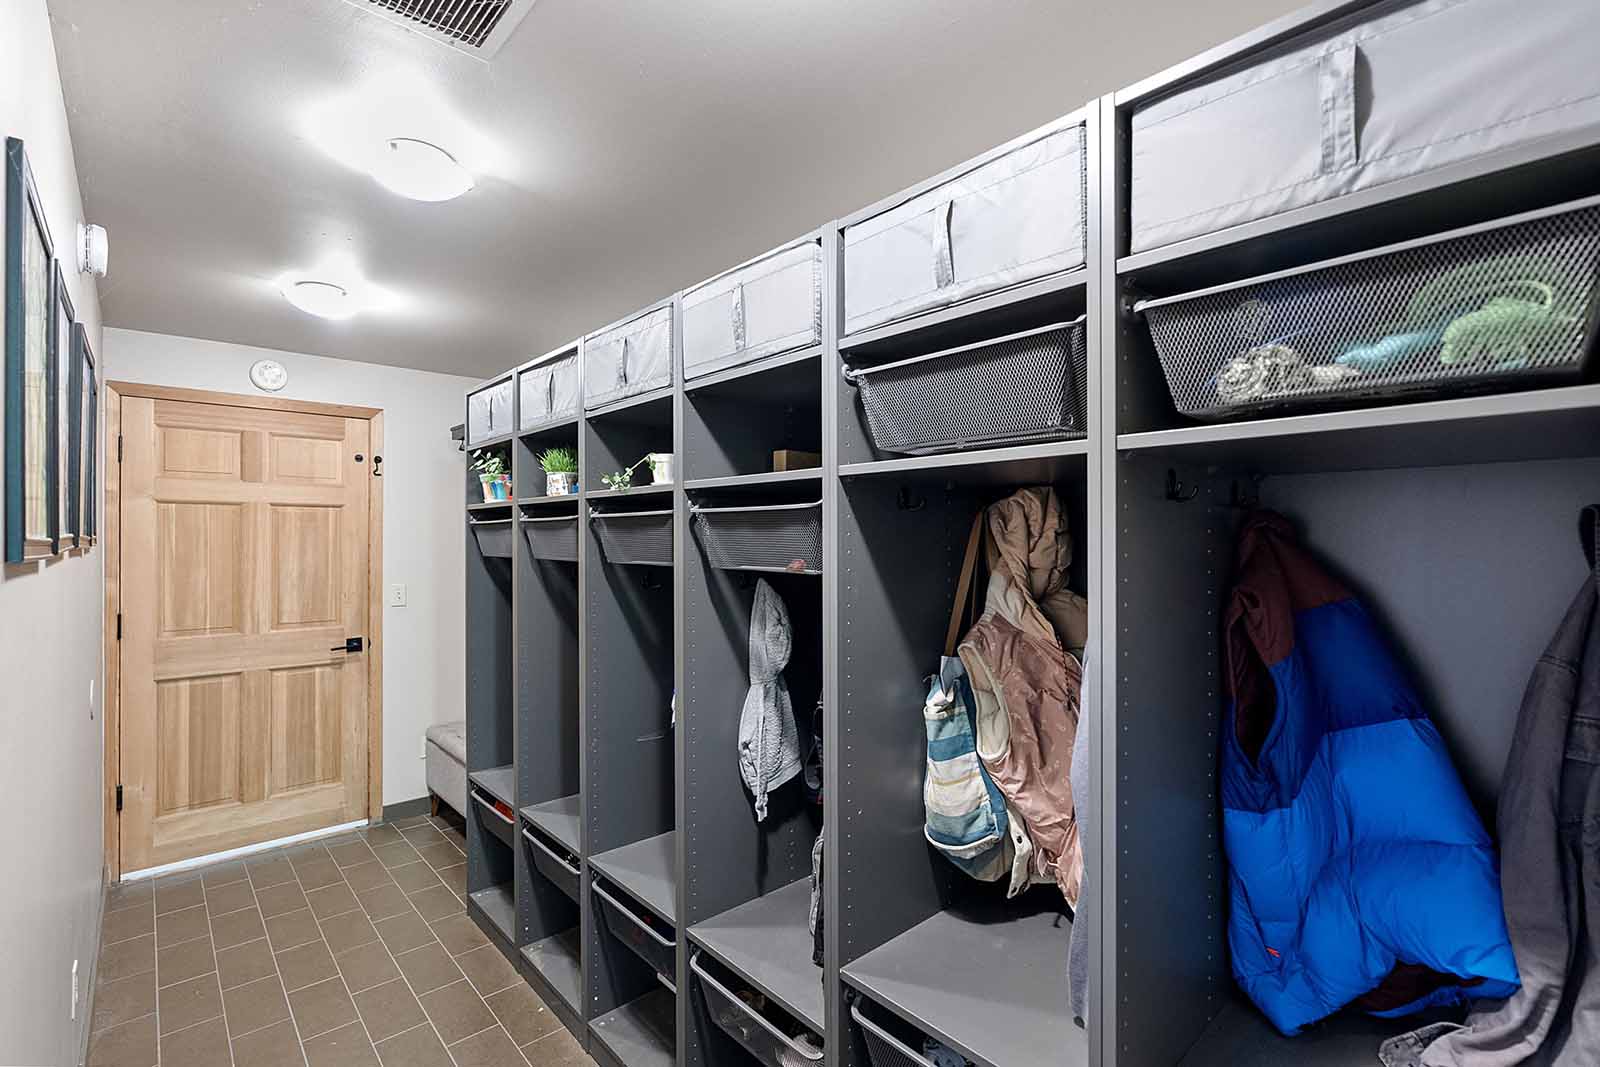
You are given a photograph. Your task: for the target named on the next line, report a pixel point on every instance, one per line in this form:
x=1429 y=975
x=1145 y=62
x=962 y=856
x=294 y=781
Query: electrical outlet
x=74 y=989
x=397 y=595
x=91 y=699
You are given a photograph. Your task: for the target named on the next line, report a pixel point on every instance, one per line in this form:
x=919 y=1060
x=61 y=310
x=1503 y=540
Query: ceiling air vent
x=476 y=27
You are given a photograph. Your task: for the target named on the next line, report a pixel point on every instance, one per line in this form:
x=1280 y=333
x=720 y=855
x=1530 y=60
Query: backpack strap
x=964 y=585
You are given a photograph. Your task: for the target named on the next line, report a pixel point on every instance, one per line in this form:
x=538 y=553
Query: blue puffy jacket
x=1360 y=873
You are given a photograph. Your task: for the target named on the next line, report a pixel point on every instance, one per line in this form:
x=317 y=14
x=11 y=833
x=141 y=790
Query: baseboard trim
x=406 y=809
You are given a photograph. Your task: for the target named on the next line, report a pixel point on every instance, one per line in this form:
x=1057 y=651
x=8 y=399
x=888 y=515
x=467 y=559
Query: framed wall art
x=63 y=382
x=85 y=435
x=32 y=515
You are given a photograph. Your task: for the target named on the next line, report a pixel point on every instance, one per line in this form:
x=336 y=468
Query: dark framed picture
x=85 y=435
x=31 y=489
x=63 y=377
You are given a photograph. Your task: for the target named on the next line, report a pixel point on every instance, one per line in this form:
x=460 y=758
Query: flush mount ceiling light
x=420 y=170
x=322 y=299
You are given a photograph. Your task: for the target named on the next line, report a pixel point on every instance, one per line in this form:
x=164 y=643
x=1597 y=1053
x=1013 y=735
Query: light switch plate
x=397 y=595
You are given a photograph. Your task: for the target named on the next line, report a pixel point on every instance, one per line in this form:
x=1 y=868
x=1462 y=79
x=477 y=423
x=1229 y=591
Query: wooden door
x=244 y=566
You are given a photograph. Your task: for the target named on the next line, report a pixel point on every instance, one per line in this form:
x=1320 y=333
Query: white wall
x=50 y=636
x=424 y=679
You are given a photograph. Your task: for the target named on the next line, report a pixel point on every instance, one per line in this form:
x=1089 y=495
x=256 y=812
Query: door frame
x=111 y=540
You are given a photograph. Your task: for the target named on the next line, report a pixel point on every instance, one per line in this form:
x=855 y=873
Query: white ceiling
x=624 y=150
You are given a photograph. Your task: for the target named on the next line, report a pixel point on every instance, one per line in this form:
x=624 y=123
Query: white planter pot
x=560 y=483
x=660 y=467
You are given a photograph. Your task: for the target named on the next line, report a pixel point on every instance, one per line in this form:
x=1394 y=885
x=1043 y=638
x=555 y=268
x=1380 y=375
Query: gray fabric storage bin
x=548 y=392
x=489 y=412
x=1015 y=218
x=632 y=357
x=1412 y=88
x=771 y=304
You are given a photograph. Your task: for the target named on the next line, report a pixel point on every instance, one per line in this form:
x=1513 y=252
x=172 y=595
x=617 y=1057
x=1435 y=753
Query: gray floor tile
x=351 y=853
x=415 y=1048
x=415 y=876
x=295 y=928
x=388 y=1009
x=127 y=894
x=315 y=874
x=457 y=1011
x=236 y=927
x=436 y=902
x=245 y=963
x=455 y=877
x=404 y=932
x=133 y=1044
x=459 y=934
x=488 y=971
x=367 y=875
x=322 y=1007
x=384 y=901
x=185 y=925
x=272 y=1046
x=345 y=1047
x=396 y=853
x=279 y=899
x=222 y=874
x=202 y=1045
x=349 y=930
x=187 y=1003
x=270 y=872
x=184 y=892
x=331 y=900
x=524 y=1015
x=230 y=897
x=120 y=925
x=127 y=958
x=367 y=966
x=306 y=965
x=560 y=1049
x=124 y=1000
x=491 y=1048
x=186 y=960
x=256 y=1004
x=427 y=968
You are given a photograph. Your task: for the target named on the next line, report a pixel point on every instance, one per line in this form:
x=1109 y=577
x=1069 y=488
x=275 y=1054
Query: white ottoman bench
x=447 y=765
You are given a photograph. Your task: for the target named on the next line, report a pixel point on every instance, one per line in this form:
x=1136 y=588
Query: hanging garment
x=1549 y=820
x=769 y=743
x=1025 y=683
x=815 y=915
x=1359 y=871
x=965 y=816
x=1083 y=811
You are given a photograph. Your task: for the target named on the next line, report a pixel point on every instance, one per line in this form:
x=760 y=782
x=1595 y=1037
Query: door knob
x=351 y=644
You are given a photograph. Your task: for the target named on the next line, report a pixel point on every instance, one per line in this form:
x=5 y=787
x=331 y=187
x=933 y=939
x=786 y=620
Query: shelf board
x=750 y=370
x=989 y=980
x=641 y=1033
x=557 y=961
x=498 y=782
x=569 y=423
x=560 y=819
x=1240 y=1036
x=648 y=870
x=493 y=442
x=767 y=942
x=756 y=481
x=1506 y=427
x=498 y=904
x=999 y=313
x=637 y=490
x=492 y=505
x=563 y=501
x=627 y=408
x=1017 y=464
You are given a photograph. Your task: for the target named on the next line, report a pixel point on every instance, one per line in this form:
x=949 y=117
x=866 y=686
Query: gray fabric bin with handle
x=1408 y=89
x=1013 y=218
x=549 y=391
x=770 y=305
x=489 y=412
x=632 y=357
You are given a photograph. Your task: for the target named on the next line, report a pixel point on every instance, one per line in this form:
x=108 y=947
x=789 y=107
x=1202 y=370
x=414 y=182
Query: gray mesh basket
x=494 y=536
x=1480 y=308
x=1029 y=386
x=638 y=934
x=552 y=537
x=640 y=537
x=755 y=1033
x=883 y=1047
x=785 y=538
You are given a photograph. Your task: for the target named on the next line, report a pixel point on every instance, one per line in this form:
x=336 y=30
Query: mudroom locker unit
x=1166 y=355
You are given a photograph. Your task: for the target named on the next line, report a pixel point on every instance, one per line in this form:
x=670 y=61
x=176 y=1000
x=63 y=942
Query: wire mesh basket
x=553 y=537
x=1491 y=306
x=1030 y=386
x=782 y=538
x=884 y=1049
x=639 y=934
x=555 y=863
x=755 y=1033
x=635 y=537
x=493 y=535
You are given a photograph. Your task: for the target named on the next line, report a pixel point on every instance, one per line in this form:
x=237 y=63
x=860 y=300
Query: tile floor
x=353 y=951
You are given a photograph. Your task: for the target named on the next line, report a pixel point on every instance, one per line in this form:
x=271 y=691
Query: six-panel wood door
x=244 y=565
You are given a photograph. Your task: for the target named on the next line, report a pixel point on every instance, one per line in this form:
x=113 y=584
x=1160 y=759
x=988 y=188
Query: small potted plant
x=560 y=471
x=491 y=468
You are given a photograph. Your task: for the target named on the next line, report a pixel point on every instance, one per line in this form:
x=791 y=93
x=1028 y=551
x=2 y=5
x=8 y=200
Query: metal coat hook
x=1176 y=489
x=1246 y=499
x=904 y=502
x=649 y=580
x=377 y=466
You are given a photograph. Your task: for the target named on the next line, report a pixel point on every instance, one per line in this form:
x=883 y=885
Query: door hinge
x=119 y=626
x=119 y=796
x=119 y=448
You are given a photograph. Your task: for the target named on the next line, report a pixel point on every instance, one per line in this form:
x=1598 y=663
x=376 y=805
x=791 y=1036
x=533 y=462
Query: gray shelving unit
x=571 y=665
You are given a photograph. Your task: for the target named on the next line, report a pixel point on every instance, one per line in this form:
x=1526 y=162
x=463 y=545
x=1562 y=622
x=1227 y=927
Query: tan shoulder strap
x=969 y=565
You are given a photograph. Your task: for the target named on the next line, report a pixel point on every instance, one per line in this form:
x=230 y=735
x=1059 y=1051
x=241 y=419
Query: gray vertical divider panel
x=680 y=755
x=836 y=1041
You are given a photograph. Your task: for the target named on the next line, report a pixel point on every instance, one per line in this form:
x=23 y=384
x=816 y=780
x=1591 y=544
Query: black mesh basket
x=884 y=1048
x=554 y=537
x=494 y=536
x=640 y=537
x=639 y=934
x=738 y=1016
x=1030 y=386
x=555 y=863
x=1488 y=307
x=782 y=538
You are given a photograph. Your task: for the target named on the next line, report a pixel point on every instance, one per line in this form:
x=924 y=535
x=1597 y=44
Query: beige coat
x=1027 y=682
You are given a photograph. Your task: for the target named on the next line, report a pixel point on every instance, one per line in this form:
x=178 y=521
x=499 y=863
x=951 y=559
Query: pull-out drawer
x=770 y=305
x=548 y=392
x=640 y=931
x=489 y=412
x=632 y=357
x=553 y=861
x=762 y=1029
x=1413 y=88
x=1017 y=217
